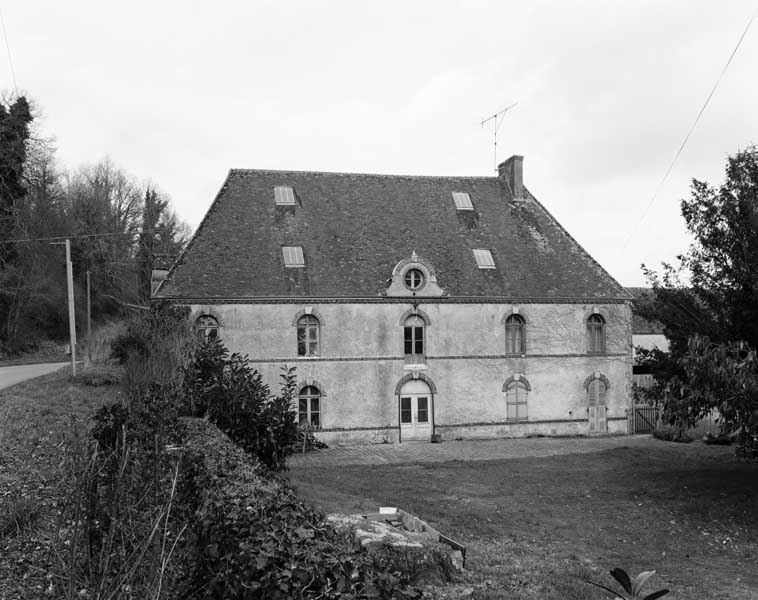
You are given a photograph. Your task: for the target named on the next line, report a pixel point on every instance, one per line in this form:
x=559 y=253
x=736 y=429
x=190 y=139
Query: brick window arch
x=516 y=399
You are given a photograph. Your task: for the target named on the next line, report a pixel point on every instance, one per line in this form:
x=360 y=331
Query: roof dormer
x=414 y=277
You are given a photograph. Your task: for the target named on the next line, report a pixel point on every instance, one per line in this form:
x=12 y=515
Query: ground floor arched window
x=310 y=407
x=516 y=401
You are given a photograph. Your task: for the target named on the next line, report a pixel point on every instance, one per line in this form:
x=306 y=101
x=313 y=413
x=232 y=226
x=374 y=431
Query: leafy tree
x=717 y=376
x=719 y=304
x=721 y=299
x=163 y=235
x=14 y=134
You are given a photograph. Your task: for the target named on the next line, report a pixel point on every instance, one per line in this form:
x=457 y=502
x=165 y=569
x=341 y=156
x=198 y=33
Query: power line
x=689 y=133
x=79 y=236
x=8 y=48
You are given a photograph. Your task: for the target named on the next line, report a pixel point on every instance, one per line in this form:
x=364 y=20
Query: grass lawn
x=537 y=528
x=35 y=419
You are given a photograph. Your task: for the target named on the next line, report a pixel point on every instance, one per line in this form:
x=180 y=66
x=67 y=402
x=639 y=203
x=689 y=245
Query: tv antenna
x=497 y=121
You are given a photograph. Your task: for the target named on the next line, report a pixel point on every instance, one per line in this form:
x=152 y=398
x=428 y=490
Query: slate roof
x=354 y=228
x=641 y=326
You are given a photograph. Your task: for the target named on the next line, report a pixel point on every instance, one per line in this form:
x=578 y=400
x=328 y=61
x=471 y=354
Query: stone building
x=411 y=305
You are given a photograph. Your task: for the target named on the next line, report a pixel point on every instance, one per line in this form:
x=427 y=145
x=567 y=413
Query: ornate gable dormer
x=414 y=277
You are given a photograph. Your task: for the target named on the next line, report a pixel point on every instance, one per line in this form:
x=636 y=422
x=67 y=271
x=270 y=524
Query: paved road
x=420 y=452
x=12 y=375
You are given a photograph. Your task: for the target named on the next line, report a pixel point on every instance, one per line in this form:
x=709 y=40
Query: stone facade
x=361 y=364
x=404 y=303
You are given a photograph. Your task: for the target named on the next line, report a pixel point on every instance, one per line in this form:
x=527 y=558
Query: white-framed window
x=484 y=258
x=516 y=396
x=207 y=328
x=308 y=336
x=596 y=334
x=462 y=201
x=284 y=196
x=293 y=256
x=310 y=407
x=515 y=335
x=413 y=339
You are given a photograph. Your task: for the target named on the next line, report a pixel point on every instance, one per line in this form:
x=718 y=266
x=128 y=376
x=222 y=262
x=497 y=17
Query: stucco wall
x=361 y=361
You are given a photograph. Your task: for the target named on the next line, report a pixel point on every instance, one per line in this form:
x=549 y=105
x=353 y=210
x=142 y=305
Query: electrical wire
x=689 y=133
x=79 y=236
x=8 y=48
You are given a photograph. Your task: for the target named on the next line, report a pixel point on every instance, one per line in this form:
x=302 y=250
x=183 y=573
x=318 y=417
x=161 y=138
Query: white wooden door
x=415 y=421
x=598 y=422
x=415 y=412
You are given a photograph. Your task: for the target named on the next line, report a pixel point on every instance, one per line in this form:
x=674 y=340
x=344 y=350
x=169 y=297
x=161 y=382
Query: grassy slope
x=35 y=418
x=537 y=527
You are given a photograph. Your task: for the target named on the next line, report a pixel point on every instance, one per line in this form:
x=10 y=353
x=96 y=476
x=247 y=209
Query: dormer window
x=284 y=196
x=462 y=201
x=293 y=256
x=414 y=276
x=484 y=258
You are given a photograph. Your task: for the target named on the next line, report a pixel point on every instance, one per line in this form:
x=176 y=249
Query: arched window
x=307 y=336
x=207 y=328
x=516 y=401
x=595 y=334
x=515 y=335
x=309 y=407
x=413 y=339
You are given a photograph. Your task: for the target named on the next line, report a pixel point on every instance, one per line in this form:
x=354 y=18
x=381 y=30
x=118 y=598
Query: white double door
x=415 y=411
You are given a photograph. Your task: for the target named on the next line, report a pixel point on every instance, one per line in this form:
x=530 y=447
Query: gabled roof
x=354 y=228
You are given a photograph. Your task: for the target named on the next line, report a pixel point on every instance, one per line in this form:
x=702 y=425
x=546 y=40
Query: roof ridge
x=349 y=174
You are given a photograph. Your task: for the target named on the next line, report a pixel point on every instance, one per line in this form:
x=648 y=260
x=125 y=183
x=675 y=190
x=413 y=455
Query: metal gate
x=644 y=419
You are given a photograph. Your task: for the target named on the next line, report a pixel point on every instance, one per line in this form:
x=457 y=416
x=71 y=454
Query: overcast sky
x=178 y=93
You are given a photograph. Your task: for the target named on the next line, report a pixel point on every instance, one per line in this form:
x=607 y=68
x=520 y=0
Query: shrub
x=203 y=377
x=155 y=348
x=671 y=434
x=127 y=345
x=278 y=548
x=722 y=439
x=129 y=502
x=235 y=398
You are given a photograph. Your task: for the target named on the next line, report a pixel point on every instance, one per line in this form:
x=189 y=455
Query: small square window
x=462 y=201
x=293 y=256
x=484 y=258
x=284 y=196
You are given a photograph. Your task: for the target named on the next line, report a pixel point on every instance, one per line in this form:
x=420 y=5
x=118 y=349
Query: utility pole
x=89 y=322
x=71 y=316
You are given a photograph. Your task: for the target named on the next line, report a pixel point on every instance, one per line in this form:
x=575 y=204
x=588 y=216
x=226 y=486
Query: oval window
x=414 y=279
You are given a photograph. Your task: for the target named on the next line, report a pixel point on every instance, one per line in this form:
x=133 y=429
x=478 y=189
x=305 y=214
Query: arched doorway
x=416 y=407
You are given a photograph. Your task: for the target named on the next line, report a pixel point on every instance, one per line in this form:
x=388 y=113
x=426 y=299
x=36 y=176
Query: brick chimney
x=511 y=174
